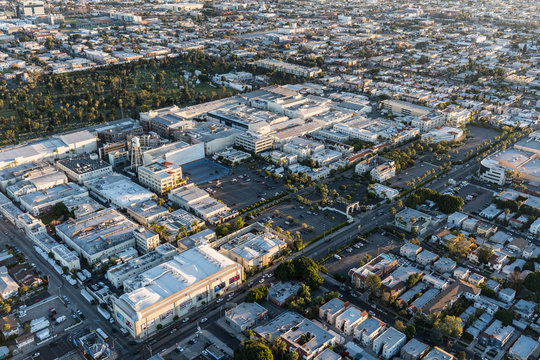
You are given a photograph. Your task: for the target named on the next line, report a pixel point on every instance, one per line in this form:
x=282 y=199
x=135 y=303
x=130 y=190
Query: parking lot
x=351 y=257
x=418 y=170
x=243 y=186
x=54 y=309
x=475 y=138
x=204 y=171
x=293 y=217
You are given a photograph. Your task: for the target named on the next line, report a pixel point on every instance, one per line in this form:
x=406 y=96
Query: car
x=173 y=330
x=219 y=300
x=185 y=320
x=36 y=354
x=261 y=281
x=179 y=349
x=203 y=320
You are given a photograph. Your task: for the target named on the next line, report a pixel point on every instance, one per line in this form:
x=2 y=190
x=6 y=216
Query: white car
x=219 y=300
x=203 y=320
x=185 y=320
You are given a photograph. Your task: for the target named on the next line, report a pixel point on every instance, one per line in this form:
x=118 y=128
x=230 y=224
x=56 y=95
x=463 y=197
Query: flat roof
x=84 y=164
x=98 y=231
x=184 y=270
x=119 y=189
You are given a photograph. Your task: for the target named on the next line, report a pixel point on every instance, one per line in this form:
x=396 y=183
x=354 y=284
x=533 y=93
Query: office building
x=82 y=168
x=160 y=176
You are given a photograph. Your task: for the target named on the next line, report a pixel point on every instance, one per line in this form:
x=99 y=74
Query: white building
x=160 y=176
x=390 y=342
x=443 y=134
x=175 y=288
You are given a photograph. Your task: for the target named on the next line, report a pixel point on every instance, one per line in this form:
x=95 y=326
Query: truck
x=102 y=334
x=85 y=294
x=104 y=313
x=43 y=334
x=38 y=324
x=60 y=319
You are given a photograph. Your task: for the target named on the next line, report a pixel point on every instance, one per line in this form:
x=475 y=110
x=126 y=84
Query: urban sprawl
x=260 y=180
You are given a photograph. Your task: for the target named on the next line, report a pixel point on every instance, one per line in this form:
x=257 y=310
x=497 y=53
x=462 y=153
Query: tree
x=6 y=327
x=399 y=326
x=372 y=282
x=257 y=295
x=410 y=331
x=413 y=279
x=253 y=350
x=304 y=291
x=484 y=254
x=278 y=348
x=505 y=316
x=6 y=308
x=532 y=281
x=449 y=326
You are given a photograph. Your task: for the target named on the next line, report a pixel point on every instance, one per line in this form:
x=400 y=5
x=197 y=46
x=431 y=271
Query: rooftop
x=98 y=231
x=184 y=270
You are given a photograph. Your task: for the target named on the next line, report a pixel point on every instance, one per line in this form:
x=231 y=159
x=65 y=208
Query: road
x=59 y=286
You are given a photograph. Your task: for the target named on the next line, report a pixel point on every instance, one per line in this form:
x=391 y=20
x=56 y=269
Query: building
x=448 y=134
x=507 y=295
x=54 y=147
x=32 y=8
x=331 y=309
x=8 y=286
x=134 y=267
x=288 y=68
x=66 y=257
x=177 y=224
x=380 y=168
x=383 y=191
x=99 y=235
x=175 y=288
x=381 y=266
x=254 y=250
x=41 y=202
x=349 y=319
x=413 y=221
x=82 y=168
x=146 y=212
x=191 y=197
x=444 y=265
x=405 y=108
x=410 y=250
x=280 y=293
x=160 y=176
x=254 y=142
x=390 y=342
x=368 y=330
x=118 y=190
x=499 y=168
x=524 y=348
x=413 y=350
x=299 y=334
x=178 y=153
x=302 y=147
x=426 y=257
x=145 y=239
x=496 y=334
x=449 y=295
x=438 y=354
x=245 y=316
